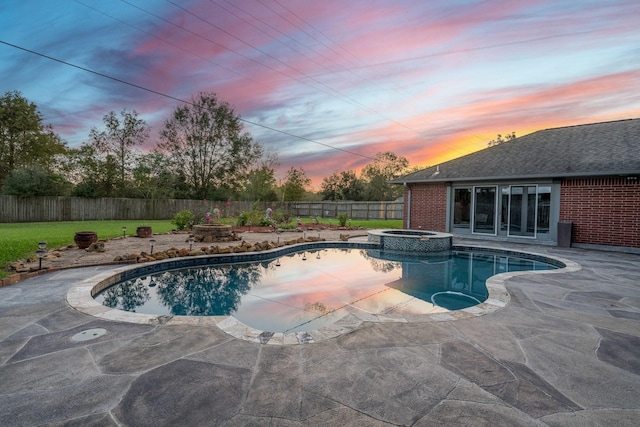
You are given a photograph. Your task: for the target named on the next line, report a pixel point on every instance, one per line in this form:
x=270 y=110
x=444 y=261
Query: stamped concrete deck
x=564 y=351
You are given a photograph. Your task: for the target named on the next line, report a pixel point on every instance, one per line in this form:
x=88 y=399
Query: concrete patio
x=565 y=351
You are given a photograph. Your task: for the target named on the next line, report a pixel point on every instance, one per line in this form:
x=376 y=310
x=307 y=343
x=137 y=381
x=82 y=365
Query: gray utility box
x=564 y=234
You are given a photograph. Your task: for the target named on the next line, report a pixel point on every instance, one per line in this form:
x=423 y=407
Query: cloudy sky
x=328 y=84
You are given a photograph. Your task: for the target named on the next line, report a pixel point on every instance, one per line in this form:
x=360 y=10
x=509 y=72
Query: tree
x=118 y=139
x=295 y=185
x=24 y=139
x=261 y=181
x=205 y=139
x=500 y=140
x=93 y=175
x=34 y=181
x=385 y=167
x=343 y=185
x=153 y=178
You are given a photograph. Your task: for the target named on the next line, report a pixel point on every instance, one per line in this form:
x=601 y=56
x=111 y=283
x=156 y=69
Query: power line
x=116 y=79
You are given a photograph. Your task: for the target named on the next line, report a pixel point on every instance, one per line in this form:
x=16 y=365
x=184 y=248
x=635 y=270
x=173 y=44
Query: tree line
x=203 y=152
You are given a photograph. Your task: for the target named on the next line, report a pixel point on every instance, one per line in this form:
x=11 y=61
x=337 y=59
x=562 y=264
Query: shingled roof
x=598 y=149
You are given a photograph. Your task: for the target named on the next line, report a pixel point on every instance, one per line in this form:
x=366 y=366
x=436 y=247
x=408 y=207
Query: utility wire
x=349 y=99
x=116 y=79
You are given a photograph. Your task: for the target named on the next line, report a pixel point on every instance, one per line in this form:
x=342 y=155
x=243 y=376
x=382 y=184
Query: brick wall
x=604 y=211
x=428 y=207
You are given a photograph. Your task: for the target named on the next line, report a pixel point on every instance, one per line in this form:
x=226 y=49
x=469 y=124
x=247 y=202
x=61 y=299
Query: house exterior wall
x=604 y=211
x=428 y=207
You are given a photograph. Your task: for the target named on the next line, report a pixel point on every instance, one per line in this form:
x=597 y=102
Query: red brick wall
x=428 y=207
x=604 y=211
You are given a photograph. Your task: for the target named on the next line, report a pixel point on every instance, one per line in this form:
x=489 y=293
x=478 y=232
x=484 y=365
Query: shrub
x=182 y=219
x=254 y=217
x=243 y=219
x=34 y=181
x=342 y=219
x=281 y=217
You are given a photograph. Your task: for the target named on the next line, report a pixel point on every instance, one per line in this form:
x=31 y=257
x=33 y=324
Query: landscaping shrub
x=342 y=219
x=182 y=219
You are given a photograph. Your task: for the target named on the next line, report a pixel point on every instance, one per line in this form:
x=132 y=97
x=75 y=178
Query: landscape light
x=124 y=231
x=191 y=240
x=153 y=242
x=41 y=253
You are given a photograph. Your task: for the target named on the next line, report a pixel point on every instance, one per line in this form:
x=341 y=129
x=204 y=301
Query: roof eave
x=400 y=181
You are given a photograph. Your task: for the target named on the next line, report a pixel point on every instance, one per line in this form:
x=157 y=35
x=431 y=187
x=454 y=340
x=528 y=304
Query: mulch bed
x=304 y=227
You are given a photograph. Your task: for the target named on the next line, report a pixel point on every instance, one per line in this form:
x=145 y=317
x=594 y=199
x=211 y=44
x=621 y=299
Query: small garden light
x=124 y=231
x=41 y=253
x=153 y=242
x=191 y=240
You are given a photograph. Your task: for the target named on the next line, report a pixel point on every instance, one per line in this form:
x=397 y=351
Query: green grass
x=20 y=240
x=364 y=223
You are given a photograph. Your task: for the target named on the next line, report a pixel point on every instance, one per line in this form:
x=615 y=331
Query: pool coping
x=80 y=296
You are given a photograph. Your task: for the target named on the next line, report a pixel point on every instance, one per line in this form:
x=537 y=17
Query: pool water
x=309 y=290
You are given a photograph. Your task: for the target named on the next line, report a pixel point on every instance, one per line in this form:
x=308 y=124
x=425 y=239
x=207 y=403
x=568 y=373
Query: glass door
x=522 y=210
x=484 y=210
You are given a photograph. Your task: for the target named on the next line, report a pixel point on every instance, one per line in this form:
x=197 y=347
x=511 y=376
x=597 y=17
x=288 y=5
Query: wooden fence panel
x=42 y=209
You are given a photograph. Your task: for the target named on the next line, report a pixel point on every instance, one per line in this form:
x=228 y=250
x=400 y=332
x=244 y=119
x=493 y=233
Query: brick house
x=530 y=188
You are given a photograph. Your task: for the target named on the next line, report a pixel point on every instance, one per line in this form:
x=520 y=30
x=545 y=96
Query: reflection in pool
x=308 y=290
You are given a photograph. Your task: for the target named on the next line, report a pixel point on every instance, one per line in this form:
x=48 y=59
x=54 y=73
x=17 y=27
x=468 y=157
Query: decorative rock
x=96 y=247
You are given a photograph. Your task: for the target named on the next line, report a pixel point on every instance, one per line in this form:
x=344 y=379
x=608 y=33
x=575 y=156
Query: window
x=544 y=209
x=484 y=210
x=462 y=207
x=529 y=210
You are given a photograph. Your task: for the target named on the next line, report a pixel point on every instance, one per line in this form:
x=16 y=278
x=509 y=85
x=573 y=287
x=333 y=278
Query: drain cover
x=89 y=334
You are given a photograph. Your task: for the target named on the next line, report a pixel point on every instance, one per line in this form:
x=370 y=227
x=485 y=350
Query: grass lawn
x=20 y=240
x=364 y=223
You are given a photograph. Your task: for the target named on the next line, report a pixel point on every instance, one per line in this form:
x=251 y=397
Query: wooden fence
x=42 y=209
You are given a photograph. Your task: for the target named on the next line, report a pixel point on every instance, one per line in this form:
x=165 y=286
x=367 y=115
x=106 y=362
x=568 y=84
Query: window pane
x=544 y=209
x=484 y=212
x=462 y=207
x=504 y=209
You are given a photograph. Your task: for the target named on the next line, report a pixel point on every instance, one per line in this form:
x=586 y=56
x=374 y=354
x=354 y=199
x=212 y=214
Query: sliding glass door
x=529 y=210
x=484 y=210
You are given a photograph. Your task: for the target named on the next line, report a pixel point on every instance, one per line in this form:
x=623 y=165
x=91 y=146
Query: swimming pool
x=311 y=289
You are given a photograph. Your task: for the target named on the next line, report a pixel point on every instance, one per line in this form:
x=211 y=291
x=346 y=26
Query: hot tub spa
x=417 y=241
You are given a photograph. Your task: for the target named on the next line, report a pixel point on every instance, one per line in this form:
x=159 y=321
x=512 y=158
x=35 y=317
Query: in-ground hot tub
x=411 y=240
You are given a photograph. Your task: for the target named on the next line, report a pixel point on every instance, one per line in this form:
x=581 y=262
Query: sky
x=326 y=85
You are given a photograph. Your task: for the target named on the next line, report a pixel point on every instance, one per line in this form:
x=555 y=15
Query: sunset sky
x=328 y=84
